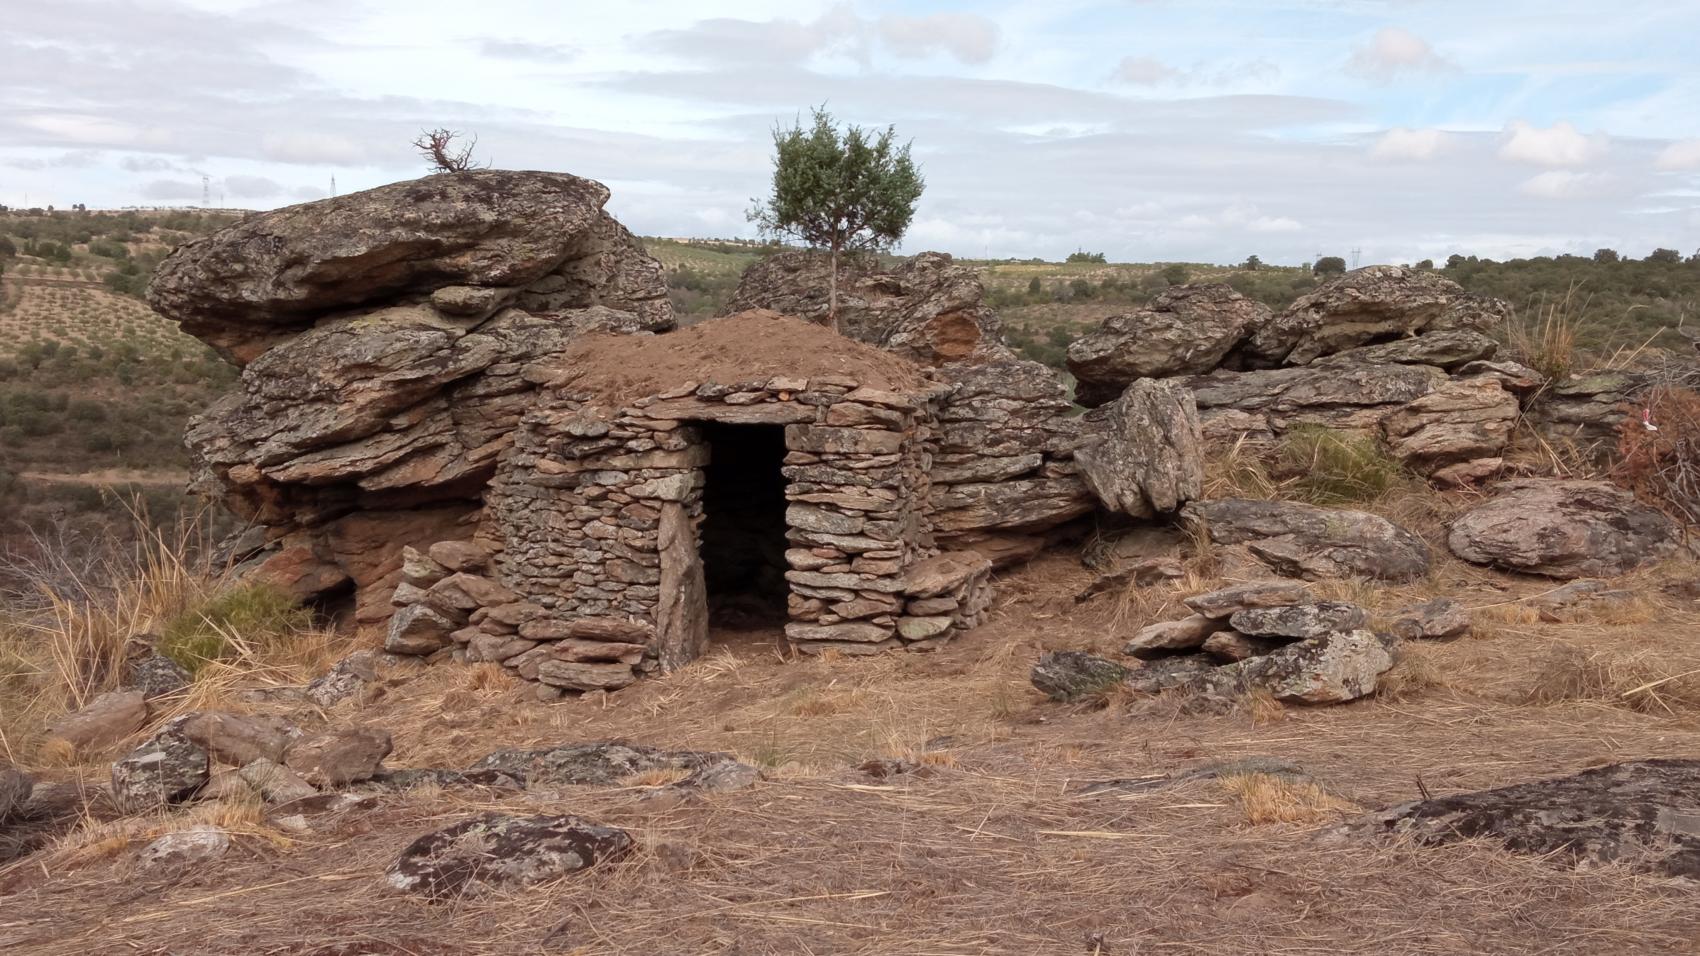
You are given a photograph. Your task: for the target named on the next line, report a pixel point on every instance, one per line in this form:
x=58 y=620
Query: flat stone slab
x=494 y=850
x=1644 y=814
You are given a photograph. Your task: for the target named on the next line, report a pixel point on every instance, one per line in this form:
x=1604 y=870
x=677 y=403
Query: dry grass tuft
x=1414 y=673
x=73 y=645
x=1636 y=681
x=1266 y=798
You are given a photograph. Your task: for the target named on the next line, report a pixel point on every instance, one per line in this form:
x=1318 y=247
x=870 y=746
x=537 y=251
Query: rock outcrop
x=1640 y=815
x=927 y=308
x=1563 y=529
x=1396 y=353
x=386 y=336
x=1188 y=330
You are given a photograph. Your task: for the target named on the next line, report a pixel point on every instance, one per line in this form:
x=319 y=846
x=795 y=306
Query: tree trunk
x=832 y=294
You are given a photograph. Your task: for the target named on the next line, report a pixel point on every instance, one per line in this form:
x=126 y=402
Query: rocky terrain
x=1153 y=708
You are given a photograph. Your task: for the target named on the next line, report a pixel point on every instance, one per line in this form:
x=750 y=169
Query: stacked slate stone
x=1269 y=635
x=943 y=595
x=1005 y=471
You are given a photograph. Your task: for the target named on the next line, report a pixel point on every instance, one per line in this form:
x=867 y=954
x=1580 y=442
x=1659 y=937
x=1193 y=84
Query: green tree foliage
x=1604 y=256
x=1670 y=256
x=1083 y=256
x=1329 y=266
x=1252 y=264
x=1176 y=274
x=849 y=190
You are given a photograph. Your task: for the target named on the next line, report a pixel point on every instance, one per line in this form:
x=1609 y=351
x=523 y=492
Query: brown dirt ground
x=986 y=851
x=750 y=346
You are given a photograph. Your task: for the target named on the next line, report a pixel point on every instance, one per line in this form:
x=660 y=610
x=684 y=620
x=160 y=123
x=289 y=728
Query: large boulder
x=927 y=308
x=279 y=270
x=1367 y=306
x=339 y=757
x=1142 y=454
x=1305 y=541
x=1563 y=529
x=1185 y=331
x=1640 y=815
x=496 y=851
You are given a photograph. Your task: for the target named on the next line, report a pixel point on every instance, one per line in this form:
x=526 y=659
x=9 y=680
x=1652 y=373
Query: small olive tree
x=849 y=190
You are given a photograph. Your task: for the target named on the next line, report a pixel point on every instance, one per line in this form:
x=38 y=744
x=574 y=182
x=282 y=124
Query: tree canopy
x=844 y=190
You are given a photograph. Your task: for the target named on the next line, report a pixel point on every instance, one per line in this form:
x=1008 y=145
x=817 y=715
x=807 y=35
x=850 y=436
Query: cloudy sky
x=1202 y=130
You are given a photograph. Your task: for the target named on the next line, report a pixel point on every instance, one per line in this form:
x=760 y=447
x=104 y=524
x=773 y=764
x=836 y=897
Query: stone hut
x=466 y=410
x=636 y=499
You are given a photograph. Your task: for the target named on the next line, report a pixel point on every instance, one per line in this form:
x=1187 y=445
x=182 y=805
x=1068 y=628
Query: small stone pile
x=1271 y=636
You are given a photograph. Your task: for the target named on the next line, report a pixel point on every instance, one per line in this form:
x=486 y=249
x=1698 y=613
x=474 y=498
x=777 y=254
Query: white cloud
x=1560 y=145
x=1410 y=144
x=1241 y=217
x=1147 y=71
x=1394 y=51
x=965 y=36
x=1563 y=184
x=311 y=147
x=171 y=189
x=252 y=187
x=1680 y=155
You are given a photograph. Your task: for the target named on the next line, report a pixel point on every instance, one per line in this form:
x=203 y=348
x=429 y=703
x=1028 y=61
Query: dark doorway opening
x=743 y=527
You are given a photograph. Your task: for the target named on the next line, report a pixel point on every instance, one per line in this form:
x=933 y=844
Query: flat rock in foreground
x=494 y=850
x=1644 y=814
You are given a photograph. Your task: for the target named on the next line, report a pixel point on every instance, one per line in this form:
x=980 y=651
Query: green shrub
x=249 y=614
x=1332 y=466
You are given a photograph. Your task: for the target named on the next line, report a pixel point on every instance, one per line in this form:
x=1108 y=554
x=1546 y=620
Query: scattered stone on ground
x=1329 y=668
x=410 y=778
x=106 y=720
x=274 y=782
x=1184 y=634
x=1265 y=766
x=239 y=739
x=165 y=769
x=1074 y=675
x=1437 y=619
x=1563 y=529
x=1643 y=814
x=1225 y=602
x=198 y=844
x=1582 y=592
x=594 y=764
x=1299 y=621
x=1311 y=542
x=495 y=851
x=338 y=757
x=1141 y=574
x=155 y=675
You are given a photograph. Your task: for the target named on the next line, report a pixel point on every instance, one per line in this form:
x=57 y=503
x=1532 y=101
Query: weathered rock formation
x=1188 y=330
x=385 y=337
x=1563 y=529
x=496 y=851
x=1391 y=352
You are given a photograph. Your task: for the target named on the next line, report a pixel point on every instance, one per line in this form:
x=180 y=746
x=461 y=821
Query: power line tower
x=333 y=187
x=206 y=191
x=1355 y=254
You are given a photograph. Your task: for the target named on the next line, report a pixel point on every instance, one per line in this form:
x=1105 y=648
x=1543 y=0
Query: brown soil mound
x=749 y=346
